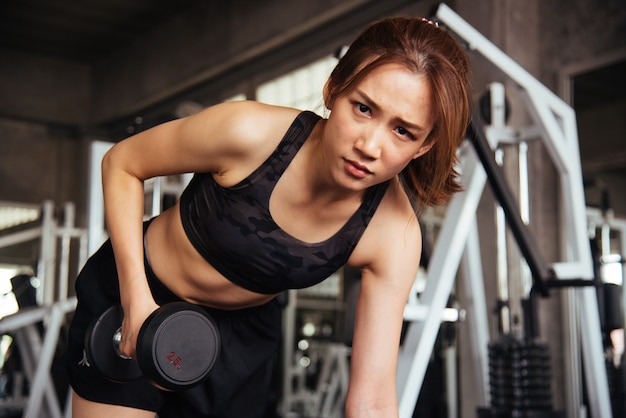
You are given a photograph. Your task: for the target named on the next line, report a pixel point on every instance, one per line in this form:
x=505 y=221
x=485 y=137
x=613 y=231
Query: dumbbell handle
x=117 y=338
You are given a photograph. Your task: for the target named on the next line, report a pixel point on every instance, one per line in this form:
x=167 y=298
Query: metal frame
x=556 y=124
x=53 y=271
x=37 y=356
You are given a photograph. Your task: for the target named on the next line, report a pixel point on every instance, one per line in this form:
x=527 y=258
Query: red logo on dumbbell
x=174 y=359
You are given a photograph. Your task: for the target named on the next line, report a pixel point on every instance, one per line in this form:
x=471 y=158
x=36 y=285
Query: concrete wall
x=43 y=101
x=206 y=40
x=42 y=89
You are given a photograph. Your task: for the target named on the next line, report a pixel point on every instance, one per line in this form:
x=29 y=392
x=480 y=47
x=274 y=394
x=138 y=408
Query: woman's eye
x=403 y=132
x=362 y=108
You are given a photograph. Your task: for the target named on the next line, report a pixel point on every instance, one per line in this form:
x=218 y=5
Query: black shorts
x=239 y=382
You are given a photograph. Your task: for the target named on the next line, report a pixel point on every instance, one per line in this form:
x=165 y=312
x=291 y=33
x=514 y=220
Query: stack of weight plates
x=519 y=380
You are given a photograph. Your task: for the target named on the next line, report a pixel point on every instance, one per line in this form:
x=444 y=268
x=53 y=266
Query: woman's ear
x=326 y=96
x=424 y=149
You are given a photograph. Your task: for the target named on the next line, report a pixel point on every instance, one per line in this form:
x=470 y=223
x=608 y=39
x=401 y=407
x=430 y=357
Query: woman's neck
x=315 y=174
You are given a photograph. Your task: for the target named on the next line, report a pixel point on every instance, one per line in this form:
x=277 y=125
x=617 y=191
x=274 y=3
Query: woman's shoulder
x=396 y=203
x=395 y=214
x=244 y=135
x=253 y=122
x=393 y=231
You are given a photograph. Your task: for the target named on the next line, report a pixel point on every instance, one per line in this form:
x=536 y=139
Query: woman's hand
x=135 y=315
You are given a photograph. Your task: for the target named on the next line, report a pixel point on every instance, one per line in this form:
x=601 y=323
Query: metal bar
x=419 y=313
x=572 y=371
x=593 y=353
x=528 y=246
x=22 y=318
x=27 y=356
x=449 y=355
x=502 y=262
x=68 y=405
x=156 y=196
x=40 y=383
x=64 y=262
x=19 y=237
x=71 y=232
x=561 y=283
x=47 y=256
x=477 y=320
x=524 y=205
x=420 y=336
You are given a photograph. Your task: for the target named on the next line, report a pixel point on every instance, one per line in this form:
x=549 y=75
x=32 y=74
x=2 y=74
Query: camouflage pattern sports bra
x=232 y=228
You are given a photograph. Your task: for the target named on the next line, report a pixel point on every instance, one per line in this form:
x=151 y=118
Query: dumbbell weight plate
x=177 y=346
x=101 y=352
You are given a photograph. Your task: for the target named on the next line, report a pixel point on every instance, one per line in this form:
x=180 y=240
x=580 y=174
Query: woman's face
x=374 y=131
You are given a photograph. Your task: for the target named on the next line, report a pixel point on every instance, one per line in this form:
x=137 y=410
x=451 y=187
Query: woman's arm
x=210 y=141
x=385 y=285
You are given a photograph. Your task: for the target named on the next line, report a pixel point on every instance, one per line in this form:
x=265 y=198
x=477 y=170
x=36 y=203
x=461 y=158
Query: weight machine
x=457 y=247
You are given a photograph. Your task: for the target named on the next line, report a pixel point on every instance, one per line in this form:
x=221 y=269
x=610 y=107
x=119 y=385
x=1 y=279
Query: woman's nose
x=369 y=144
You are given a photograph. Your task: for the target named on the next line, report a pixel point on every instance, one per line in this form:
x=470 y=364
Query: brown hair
x=425 y=49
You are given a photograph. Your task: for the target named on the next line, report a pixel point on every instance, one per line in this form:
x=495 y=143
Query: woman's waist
x=181 y=269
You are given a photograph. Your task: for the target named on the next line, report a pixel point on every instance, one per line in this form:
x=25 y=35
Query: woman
x=281 y=199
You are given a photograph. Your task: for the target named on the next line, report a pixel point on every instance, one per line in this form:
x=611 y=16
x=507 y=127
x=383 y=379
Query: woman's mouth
x=356 y=169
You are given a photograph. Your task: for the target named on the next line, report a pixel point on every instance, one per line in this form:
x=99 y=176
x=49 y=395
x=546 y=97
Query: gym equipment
x=177 y=346
x=62 y=248
x=456 y=249
x=520 y=377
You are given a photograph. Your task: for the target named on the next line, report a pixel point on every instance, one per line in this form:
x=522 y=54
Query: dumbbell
x=177 y=346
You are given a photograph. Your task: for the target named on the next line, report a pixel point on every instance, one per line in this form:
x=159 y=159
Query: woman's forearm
x=123 y=199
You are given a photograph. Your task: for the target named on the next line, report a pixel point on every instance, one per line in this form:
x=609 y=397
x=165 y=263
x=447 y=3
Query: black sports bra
x=232 y=228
